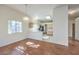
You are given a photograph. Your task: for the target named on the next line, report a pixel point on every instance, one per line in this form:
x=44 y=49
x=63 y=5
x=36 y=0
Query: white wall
x=77 y=28
x=60 y=25
x=6 y=14
x=35 y=35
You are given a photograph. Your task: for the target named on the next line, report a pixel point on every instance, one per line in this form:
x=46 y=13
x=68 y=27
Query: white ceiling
x=73 y=7
x=19 y=7
x=43 y=10
x=40 y=10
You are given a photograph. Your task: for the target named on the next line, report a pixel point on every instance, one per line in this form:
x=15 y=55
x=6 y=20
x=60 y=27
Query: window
x=14 y=26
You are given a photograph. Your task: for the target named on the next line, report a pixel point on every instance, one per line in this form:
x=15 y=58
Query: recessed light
x=48 y=17
x=72 y=12
x=25 y=18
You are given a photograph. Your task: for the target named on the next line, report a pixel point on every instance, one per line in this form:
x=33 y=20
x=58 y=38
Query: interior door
x=73 y=31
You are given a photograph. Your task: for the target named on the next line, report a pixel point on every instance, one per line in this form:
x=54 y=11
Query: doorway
x=73 y=31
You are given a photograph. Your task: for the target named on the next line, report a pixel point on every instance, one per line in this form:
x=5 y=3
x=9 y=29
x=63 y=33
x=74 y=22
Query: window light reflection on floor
x=19 y=50
x=33 y=45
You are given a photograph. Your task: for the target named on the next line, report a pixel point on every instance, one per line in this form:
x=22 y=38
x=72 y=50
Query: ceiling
x=40 y=10
x=19 y=7
x=43 y=10
x=74 y=10
x=33 y=10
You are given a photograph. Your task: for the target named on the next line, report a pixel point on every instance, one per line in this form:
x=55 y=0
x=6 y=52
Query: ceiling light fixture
x=48 y=17
x=72 y=12
x=25 y=18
